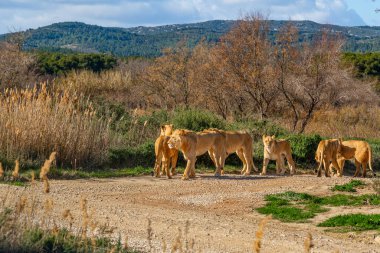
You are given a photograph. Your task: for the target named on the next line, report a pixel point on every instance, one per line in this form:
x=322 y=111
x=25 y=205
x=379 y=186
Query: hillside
x=149 y=41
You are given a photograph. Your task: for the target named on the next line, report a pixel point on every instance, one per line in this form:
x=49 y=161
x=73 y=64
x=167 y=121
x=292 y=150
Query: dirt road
x=206 y=214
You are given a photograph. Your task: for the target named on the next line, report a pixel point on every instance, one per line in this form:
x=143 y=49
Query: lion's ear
x=264 y=136
x=273 y=136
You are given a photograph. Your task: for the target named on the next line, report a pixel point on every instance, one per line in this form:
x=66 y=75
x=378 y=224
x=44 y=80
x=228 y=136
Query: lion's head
x=178 y=138
x=268 y=142
x=167 y=129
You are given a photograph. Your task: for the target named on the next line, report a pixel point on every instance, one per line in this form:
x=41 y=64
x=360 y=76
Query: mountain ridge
x=149 y=41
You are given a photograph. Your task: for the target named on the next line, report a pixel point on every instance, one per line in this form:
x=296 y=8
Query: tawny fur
x=241 y=143
x=326 y=153
x=165 y=156
x=277 y=150
x=360 y=151
x=193 y=144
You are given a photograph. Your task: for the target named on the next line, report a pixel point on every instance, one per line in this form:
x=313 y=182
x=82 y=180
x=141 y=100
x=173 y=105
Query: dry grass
x=1 y=170
x=89 y=83
x=362 y=121
x=260 y=234
x=35 y=121
x=308 y=243
x=15 y=172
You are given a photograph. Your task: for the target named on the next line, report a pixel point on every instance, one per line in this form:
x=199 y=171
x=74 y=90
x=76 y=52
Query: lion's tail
x=370 y=159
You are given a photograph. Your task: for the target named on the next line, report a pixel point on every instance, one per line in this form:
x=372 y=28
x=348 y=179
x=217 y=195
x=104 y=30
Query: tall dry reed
x=15 y=172
x=1 y=170
x=89 y=83
x=360 y=121
x=35 y=121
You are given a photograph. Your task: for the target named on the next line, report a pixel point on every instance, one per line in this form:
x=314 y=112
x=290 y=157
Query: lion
x=277 y=150
x=193 y=144
x=165 y=155
x=360 y=151
x=327 y=152
x=241 y=143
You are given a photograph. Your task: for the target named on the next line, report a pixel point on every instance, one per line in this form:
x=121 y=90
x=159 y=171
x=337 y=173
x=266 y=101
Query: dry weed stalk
x=68 y=216
x=150 y=234
x=177 y=245
x=1 y=170
x=45 y=170
x=308 y=242
x=15 y=172
x=260 y=233
x=20 y=205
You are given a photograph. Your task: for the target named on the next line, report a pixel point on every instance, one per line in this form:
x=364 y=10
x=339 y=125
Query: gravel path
x=205 y=214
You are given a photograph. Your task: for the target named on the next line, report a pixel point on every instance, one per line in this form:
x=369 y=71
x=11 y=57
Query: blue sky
x=18 y=15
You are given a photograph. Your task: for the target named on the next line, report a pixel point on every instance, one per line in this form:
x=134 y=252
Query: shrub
x=142 y=155
x=197 y=120
x=304 y=147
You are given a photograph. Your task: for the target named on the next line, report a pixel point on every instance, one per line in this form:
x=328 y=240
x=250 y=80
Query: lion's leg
x=174 y=163
x=364 y=165
x=157 y=165
x=291 y=164
x=335 y=164
x=218 y=168
x=357 y=165
x=240 y=154
x=341 y=166
x=167 y=168
x=280 y=165
x=326 y=165
x=265 y=164
x=189 y=167
x=248 y=164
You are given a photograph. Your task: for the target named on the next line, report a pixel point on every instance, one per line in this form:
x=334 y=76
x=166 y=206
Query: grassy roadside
x=300 y=207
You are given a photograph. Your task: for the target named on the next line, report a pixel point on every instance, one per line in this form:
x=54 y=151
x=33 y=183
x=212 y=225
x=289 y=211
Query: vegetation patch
x=356 y=222
x=348 y=187
x=299 y=207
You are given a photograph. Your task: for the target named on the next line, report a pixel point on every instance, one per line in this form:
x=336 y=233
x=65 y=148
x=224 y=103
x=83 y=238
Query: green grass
x=299 y=207
x=356 y=222
x=14 y=183
x=348 y=187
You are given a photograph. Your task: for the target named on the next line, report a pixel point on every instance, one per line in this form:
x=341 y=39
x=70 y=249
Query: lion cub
x=277 y=150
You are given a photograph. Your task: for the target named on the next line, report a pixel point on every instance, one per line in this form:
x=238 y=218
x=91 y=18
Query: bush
x=304 y=147
x=142 y=155
x=197 y=120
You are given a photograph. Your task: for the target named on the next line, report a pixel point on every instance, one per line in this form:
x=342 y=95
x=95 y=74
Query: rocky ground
x=205 y=214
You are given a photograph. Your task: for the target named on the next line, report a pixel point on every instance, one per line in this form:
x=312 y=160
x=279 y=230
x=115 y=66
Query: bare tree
x=168 y=80
x=247 y=50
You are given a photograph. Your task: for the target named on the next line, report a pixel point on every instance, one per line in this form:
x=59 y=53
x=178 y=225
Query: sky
x=18 y=15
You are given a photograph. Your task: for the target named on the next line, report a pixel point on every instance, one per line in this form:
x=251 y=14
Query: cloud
x=24 y=14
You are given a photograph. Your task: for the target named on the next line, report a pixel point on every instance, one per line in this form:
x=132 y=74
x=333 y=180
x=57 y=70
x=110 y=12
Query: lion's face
x=166 y=130
x=175 y=142
x=268 y=142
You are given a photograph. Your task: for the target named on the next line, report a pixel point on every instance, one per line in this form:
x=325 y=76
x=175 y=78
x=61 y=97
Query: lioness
x=327 y=152
x=241 y=143
x=277 y=150
x=165 y=155
x=194 y=144
x=360 y=151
